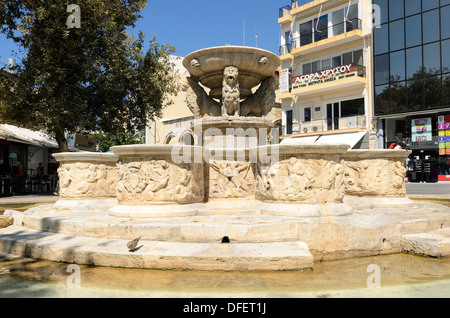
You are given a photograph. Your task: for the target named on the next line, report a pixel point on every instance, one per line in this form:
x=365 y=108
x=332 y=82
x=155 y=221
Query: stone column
x=375 y=177
x=158 y=181
x=86 y=180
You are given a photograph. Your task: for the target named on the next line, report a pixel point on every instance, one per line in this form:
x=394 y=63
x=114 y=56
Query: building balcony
x=327 y=126
x=324 y=38
x=351 y=76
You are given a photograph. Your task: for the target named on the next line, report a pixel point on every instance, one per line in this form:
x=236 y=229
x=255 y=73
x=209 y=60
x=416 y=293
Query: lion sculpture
x=230 y=92
x=258 y=104
x=198 y=101
x=262 y=101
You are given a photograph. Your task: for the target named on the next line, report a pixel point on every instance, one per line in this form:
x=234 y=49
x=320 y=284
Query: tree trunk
x=60 y=137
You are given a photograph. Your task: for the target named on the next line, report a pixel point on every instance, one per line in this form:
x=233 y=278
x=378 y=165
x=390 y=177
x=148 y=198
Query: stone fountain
x=232 y=201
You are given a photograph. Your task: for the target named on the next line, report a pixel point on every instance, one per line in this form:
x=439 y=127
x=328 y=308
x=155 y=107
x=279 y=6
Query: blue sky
x=197 y=24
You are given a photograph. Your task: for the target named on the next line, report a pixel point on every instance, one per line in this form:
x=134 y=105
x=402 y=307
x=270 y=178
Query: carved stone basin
x=254 y=66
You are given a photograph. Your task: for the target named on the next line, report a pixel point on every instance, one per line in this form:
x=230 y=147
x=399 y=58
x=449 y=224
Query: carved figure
x=198 y=101
x=262 y=101
x=83 y=179
x=230 y=92
x=233 y=178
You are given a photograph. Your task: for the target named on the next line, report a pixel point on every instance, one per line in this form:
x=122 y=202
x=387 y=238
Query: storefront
x=428 y=137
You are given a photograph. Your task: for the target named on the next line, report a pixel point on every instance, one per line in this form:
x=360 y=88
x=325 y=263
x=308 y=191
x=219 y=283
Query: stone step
x=435 y=243
x=239 y=228
x=58 y=247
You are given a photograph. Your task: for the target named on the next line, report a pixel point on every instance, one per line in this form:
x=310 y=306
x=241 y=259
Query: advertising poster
x=444 y=135
x=284 y=81
x=421 y=130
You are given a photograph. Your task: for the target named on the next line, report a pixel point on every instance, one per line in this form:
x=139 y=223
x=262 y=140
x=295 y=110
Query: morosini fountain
x=234 y=200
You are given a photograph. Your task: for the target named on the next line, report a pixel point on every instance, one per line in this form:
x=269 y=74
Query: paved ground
x=28 y=199
x=441 y=189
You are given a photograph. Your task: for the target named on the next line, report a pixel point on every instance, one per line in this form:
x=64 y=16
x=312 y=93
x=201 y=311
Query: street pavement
x=439 y=189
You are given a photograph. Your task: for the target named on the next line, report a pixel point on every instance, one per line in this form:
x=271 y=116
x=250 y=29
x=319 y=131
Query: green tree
x=108 y=140
x=95 y=77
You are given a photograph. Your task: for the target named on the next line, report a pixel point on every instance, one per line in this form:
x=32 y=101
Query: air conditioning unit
x=315 y=128
x=305 y=129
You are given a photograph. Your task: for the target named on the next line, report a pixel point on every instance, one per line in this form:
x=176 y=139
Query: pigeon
x=401 y=143
x=132 y=244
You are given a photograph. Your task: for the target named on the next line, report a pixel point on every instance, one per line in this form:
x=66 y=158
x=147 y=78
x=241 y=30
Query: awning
x=28 y=136
x=300 y=140
x=350 y=139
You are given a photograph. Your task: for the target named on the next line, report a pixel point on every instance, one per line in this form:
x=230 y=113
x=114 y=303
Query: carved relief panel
x=301 y=179
x=375 y=177
x=159 y=181
x=84 y=180
x=231 y=179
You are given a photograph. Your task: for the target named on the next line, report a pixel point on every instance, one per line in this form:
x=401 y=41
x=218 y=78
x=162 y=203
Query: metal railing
x=284 y=10
x=321 y=34
x=328 y=124
x=325 y=33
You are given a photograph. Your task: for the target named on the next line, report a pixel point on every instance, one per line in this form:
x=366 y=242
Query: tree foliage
x=93 y=78
x=108 y=140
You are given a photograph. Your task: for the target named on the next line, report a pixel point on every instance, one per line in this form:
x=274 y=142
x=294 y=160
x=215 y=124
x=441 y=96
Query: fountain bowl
x=254 y=66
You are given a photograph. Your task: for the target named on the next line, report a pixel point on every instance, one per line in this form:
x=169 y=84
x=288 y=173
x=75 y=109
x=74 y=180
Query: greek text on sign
x=324 y=76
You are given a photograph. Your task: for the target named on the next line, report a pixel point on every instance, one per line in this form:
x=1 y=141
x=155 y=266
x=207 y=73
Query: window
x=430 y=26
x=352 y=22
x=354 y=107
x=433 y=91
x=289 y=122
x=414 y=62
x=413 y=30
x=445 y=56
x=306 y=68
x=326 y=64
x=321 y=28
x=397 y=35
x=358 y=57
x=445 y=22
x=307 y=114
x=382 y=69
x=429 y=4
x=381 y=42
x=414 y=92
x=336 y=61
x=398 y=97
x=383 y=4
x=432 y=58
x=397 y=64
x=396 y=9
x=382 y=97
x=412 y=7
x=338 y=22
x=306 y=33
x=446 y=90
x=347 y=58
x=315 y=66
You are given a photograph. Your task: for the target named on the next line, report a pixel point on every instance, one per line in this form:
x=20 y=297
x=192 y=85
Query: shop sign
x=421 y=130
x=284 y=81
x=444 y=135
x=325 y=76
